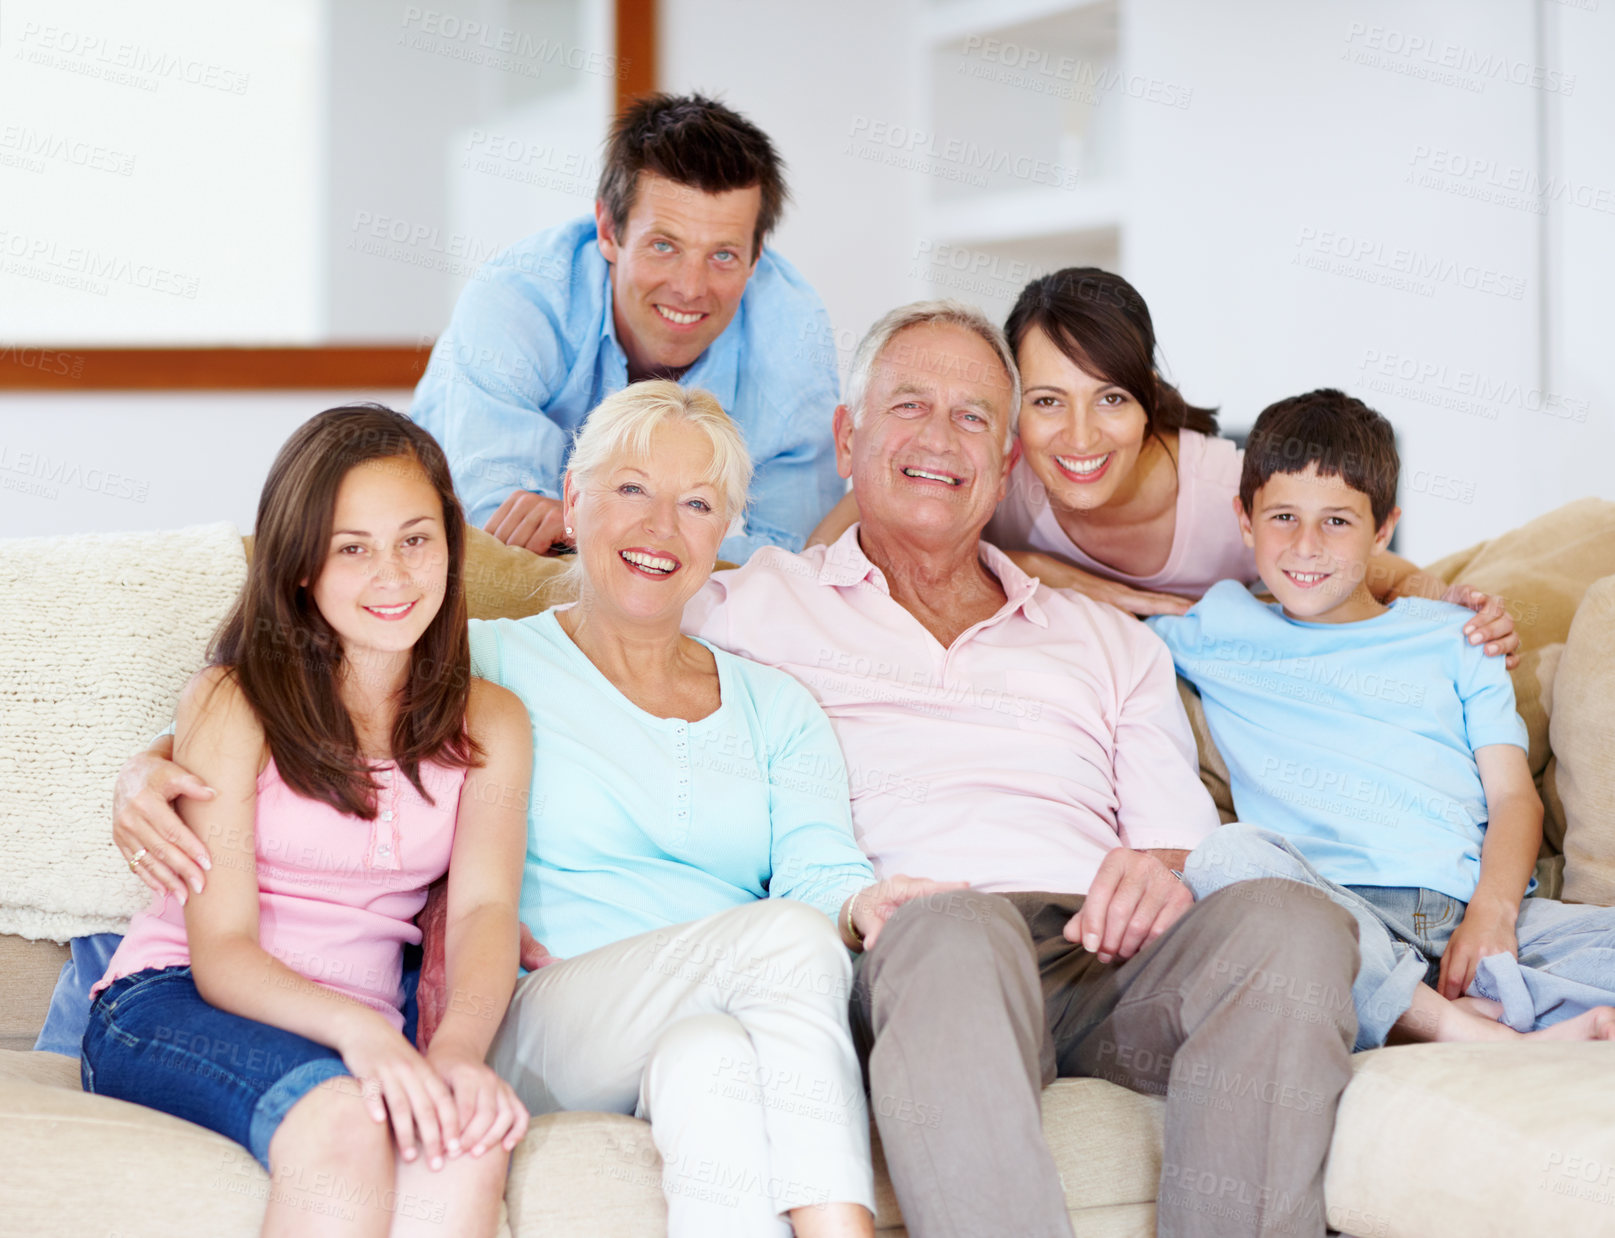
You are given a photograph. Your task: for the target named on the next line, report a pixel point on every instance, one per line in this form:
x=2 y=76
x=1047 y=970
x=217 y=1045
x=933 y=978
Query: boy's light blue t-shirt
x=1355 y=740
x=638 y=823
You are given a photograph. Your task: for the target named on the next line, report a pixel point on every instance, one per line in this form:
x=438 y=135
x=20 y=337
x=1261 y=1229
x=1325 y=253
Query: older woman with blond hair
x=690 y=853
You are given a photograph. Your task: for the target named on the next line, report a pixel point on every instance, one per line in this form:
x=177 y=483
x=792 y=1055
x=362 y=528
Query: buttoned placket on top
x=681 y=782
x=384 y=835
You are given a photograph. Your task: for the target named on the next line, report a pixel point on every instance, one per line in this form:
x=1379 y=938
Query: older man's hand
x=1134 y=898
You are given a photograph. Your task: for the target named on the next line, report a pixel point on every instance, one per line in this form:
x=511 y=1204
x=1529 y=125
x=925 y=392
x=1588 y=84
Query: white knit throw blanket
x=98 y=635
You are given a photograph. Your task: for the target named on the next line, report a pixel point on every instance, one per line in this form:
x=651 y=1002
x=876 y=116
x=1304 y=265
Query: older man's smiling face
x=927 y=458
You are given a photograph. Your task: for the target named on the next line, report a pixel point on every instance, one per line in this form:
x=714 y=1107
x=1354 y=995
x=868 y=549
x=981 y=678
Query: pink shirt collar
x=845 y=564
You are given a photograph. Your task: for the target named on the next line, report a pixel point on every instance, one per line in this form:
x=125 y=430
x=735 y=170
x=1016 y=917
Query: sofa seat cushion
x=594 y=1174
x=599 y=1173
x=1520 y=1135
x=52 y=1070
x=1488 y=1141
x=28 y=970
x=81 y=1164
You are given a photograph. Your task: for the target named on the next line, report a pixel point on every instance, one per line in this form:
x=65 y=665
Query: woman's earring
x=569 y=530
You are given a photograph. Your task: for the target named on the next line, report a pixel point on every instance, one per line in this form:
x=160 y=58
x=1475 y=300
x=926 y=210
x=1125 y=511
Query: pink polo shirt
x=1014 y=759
x=337 y=895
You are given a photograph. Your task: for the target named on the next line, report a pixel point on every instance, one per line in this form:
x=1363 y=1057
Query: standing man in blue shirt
x=669 y=279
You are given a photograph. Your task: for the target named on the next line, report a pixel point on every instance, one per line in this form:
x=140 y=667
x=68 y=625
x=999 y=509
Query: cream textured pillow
x=1582 y=732
x=102 y=631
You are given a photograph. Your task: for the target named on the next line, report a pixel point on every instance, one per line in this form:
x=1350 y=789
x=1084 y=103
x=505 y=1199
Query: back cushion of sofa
x=1582 y=731
x=102 y=631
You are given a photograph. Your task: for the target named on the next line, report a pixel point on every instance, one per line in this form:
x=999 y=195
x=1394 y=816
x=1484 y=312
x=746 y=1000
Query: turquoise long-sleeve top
x=638 y=823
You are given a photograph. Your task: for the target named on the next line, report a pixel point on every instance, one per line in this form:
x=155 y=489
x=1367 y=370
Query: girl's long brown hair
x=287 y=658
x=1098 y=320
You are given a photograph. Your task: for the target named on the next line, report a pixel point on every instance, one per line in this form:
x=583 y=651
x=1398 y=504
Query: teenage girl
x=352 y=757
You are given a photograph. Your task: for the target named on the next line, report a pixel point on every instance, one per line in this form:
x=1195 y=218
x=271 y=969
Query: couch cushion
x=587 y=1174
x=1488 y=1141
x=1521 y=1141
x=28 y=971
x=507 y=582
x=1542 y=568
x=1582 y=729
x=80 y=1164
x=599 y=1173
x=102 y=633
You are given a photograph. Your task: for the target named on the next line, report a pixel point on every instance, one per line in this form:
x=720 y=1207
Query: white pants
x=730 y=1036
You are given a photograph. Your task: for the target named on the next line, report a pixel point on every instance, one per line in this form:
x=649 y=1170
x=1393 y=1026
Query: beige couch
x=1430 y=1140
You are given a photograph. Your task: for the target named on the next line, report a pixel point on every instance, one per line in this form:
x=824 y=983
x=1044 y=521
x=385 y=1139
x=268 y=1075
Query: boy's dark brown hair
x=287 y=658
x=695 y=141
x=1337 y=432
x=1099 y=321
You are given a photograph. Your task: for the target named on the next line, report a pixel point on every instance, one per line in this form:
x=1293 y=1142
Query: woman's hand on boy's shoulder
x=1492 y=623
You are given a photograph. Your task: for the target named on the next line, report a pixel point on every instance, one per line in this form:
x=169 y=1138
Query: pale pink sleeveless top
x=337 y=895
x=1206 y=546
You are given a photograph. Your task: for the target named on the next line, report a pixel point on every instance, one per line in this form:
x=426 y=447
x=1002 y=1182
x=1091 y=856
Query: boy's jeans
x=1567 y=950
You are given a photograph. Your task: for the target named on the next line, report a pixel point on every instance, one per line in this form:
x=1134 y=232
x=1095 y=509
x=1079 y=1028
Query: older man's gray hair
x=947 y=313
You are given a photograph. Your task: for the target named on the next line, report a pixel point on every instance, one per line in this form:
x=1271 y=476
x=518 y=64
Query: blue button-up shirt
x=532 y=349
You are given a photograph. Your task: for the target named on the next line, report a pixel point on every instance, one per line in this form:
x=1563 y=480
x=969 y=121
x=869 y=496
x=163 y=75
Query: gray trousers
x=1240 y=1015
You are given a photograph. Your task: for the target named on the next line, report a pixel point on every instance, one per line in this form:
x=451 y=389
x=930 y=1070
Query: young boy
x=1377 y=756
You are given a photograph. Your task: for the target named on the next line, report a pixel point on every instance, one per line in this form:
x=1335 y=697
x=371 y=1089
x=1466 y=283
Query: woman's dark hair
x=1098 y=320
x=694 y=141
x=287 y=658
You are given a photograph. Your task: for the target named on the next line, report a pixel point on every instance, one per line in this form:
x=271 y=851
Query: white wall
x=1296 y=227
x=809 y=75
x=119 y=461
x=161 y=171
x=1572 y=457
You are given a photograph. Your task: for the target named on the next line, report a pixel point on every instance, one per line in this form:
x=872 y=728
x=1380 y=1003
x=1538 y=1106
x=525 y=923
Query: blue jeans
x=153 y=1041
x=69 y=1014
x=1567 y=950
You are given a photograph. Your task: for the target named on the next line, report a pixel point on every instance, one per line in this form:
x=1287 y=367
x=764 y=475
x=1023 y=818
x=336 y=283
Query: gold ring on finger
x=134 y=860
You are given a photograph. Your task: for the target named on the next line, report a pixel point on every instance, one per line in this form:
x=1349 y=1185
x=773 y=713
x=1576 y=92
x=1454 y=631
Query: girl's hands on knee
x=489 y=1114
x=401 y=1085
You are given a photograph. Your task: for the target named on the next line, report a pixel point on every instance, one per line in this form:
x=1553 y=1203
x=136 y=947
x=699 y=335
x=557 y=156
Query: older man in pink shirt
x=1031 y=742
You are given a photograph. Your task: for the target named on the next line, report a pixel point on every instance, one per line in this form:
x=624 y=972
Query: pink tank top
x=337 y=895
x=1206 y=545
